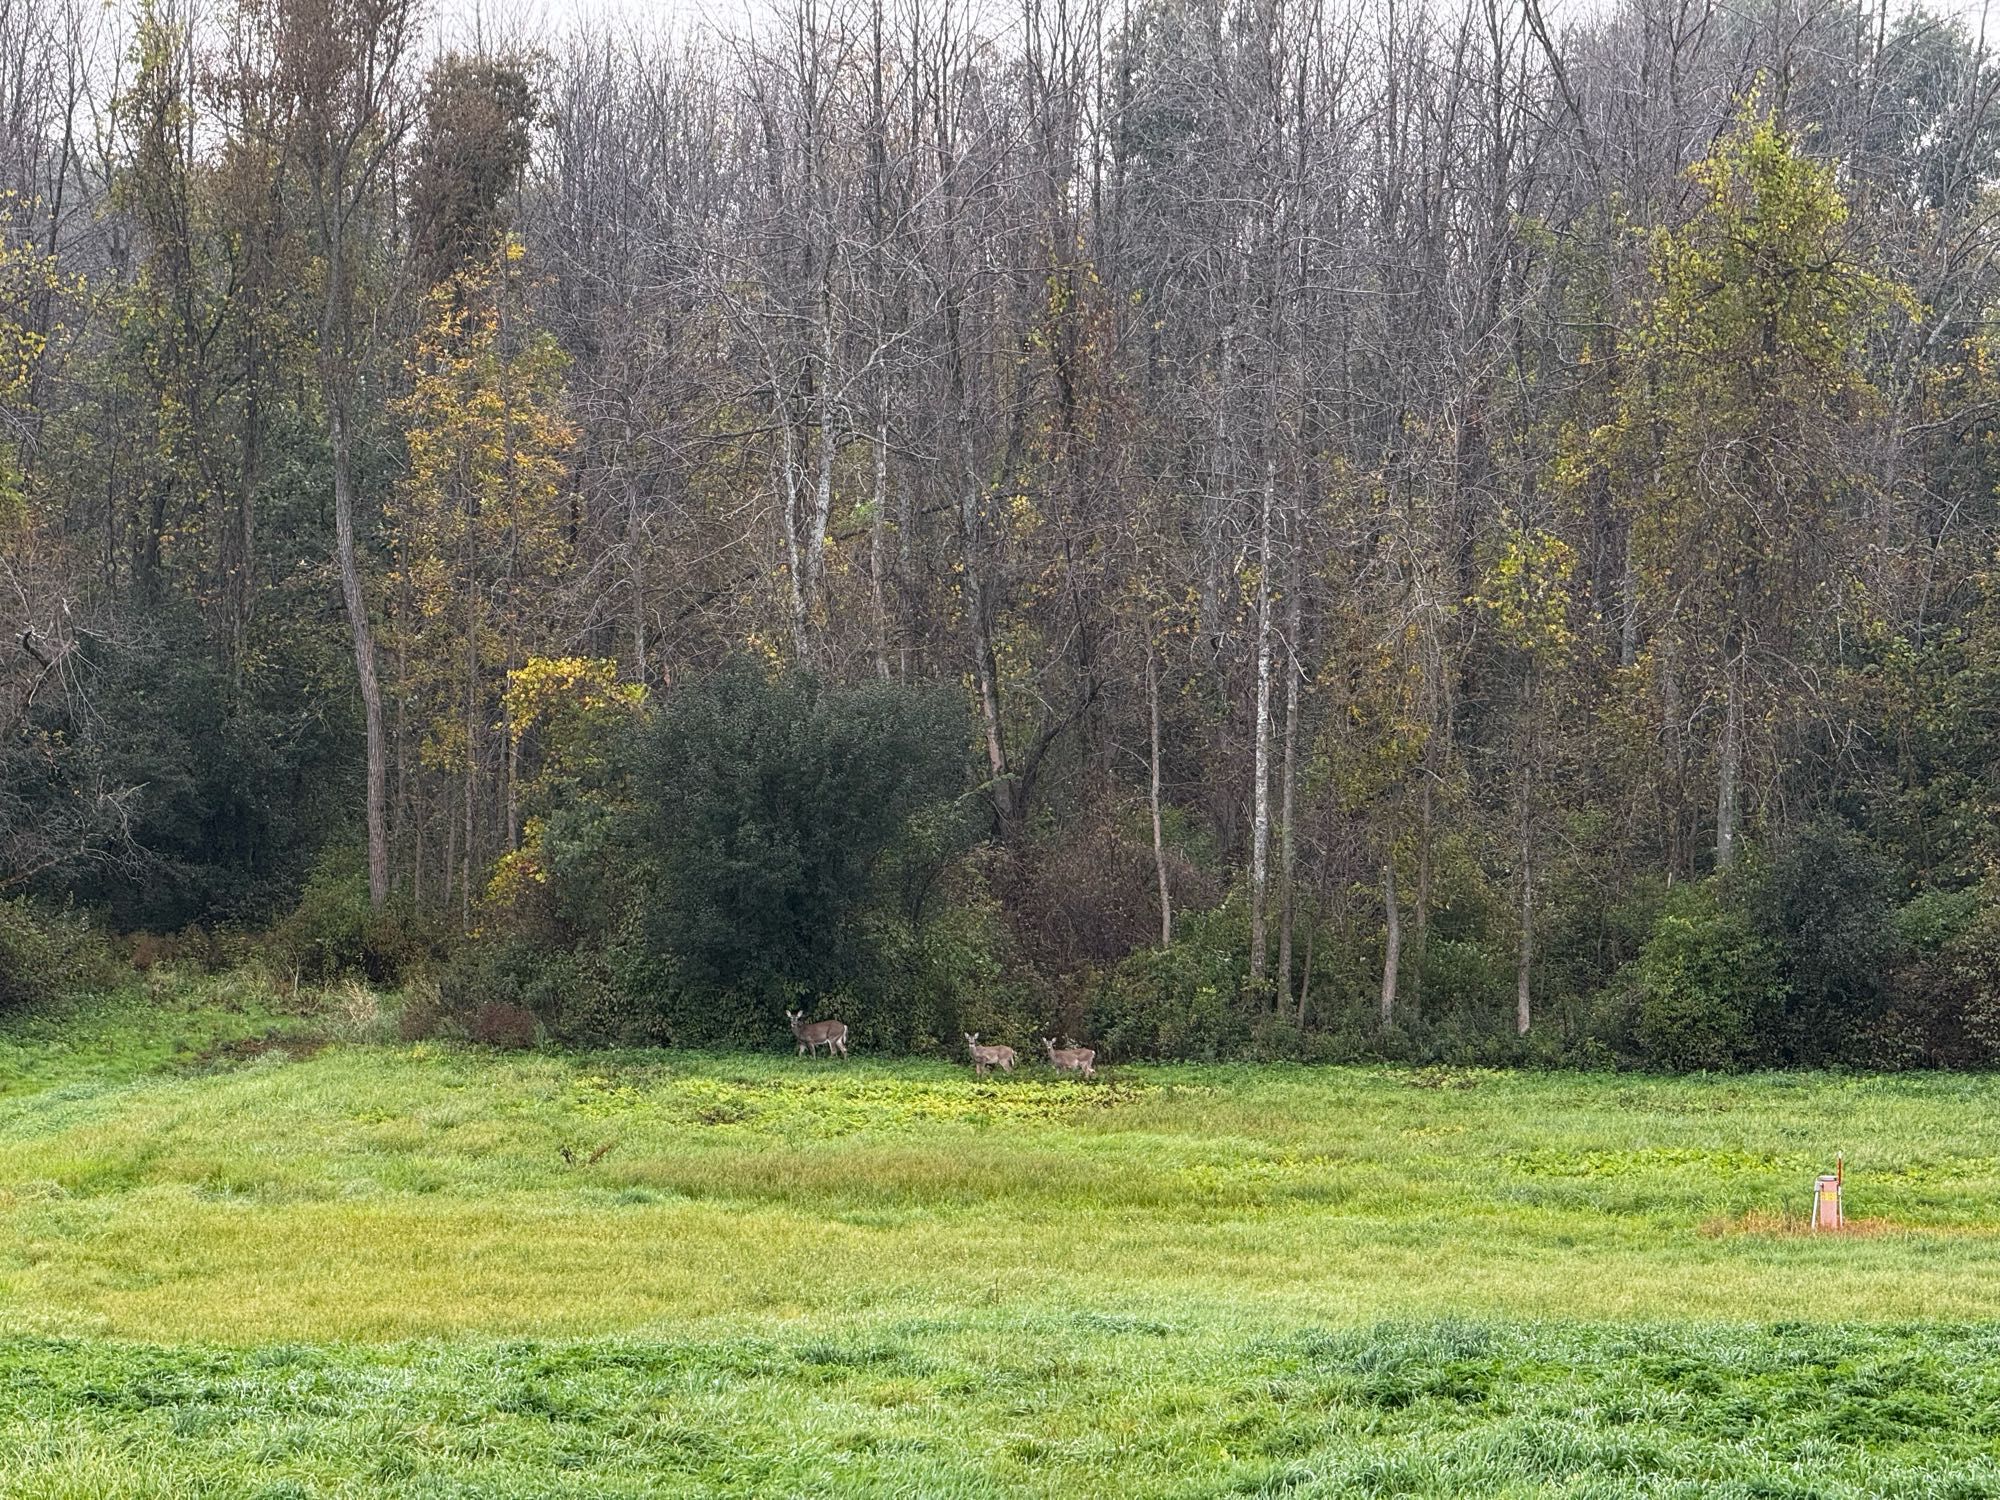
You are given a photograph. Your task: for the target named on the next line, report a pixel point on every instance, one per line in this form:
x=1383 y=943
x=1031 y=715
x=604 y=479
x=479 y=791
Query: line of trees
x=1424 y=506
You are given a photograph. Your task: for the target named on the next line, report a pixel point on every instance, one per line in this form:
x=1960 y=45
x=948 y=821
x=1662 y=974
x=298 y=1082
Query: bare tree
x=341 y=62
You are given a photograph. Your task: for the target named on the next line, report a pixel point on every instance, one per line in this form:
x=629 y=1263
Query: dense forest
x=1428 y=528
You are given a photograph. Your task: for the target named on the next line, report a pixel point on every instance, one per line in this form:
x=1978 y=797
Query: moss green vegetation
x=237 y=1259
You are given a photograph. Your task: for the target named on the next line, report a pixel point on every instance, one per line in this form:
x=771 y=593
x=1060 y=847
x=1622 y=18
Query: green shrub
x=954 y=973
x=769 y=808
x=333 y=932
x=574 y=994
x=47 y=955
x=1705 y=984
x=503 y=1026
x=1932 y=921
x=1945 y=993
x=1178 y=1001
x=1934 y=990
x=1468 y=989
x=1827 y=901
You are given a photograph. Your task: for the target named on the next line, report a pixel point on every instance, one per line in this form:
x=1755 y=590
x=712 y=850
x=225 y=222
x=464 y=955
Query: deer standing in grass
x=986 y=1058
x=814 y=1035
x=1081 y=1061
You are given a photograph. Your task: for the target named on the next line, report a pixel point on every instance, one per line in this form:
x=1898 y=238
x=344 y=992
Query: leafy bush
x=953 y=974
x=1705 y=984
x=1468 y=990
x=47 y=955
x=333 y=932
x=1933 y=988
x=1827 y=902
x=1178 y=1001
x=1944 y=994
x=768 y=804
x=575 y=994
x=240 y=777
x=1930 y=922
x=510 y=1028
x=422 y=1015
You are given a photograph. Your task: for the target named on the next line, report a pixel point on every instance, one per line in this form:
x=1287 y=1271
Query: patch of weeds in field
x=1440 y=1076
x=1710 y=1162
x=596 y=1097
x=1255 y=1181
x=824 y=1107
x=1939 y=1171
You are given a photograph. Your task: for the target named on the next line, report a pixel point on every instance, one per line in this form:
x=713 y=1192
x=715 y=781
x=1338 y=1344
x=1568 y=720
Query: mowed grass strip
x=976 y=1404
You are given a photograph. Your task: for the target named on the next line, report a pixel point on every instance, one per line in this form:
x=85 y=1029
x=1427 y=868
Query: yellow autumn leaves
x=481 y=525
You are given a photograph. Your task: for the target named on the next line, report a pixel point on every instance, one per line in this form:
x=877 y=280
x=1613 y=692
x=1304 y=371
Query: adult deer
x=814 y=1035
x=986 y=1058
x=1081 y=1061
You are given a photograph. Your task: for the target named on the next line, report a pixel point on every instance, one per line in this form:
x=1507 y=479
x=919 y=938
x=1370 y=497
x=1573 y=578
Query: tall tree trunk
x=1392 y=945
x=363 y=636
x=1286 y=782
x=985 y=667
x=1159 y=830
x=1728 y=765
x=1306 y=979
x=410 y=782
x=1525 y=782
x=795 y=562
x=905 y=528
x=471 y=769
x=1523 y=1012
x=513 y=750
x=406 y=849
x=1628 y=607
x=450 y=846
x=239 y=580
x=1260 y=823
x=1678 y=832
x=635 y=562
x=1524 y=967
x=876 y=525
x=1426 y=834
x=822 y=494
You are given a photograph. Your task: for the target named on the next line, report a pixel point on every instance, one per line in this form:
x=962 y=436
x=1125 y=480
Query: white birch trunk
x=1727 y=794
x=1260 y=824
x=1159 y=830
x=1392 y=945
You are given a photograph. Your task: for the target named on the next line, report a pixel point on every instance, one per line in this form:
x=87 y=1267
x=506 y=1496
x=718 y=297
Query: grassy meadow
x=246 y=1247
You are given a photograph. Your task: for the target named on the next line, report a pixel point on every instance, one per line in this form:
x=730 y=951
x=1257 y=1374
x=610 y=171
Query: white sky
x=532 y=19
x=527 y=19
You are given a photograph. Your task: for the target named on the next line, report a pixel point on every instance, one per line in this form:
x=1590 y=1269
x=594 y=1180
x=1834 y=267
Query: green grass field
x=236 y=1267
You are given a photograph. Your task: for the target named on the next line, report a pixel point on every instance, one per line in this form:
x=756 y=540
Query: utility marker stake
x=1827 y=1212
